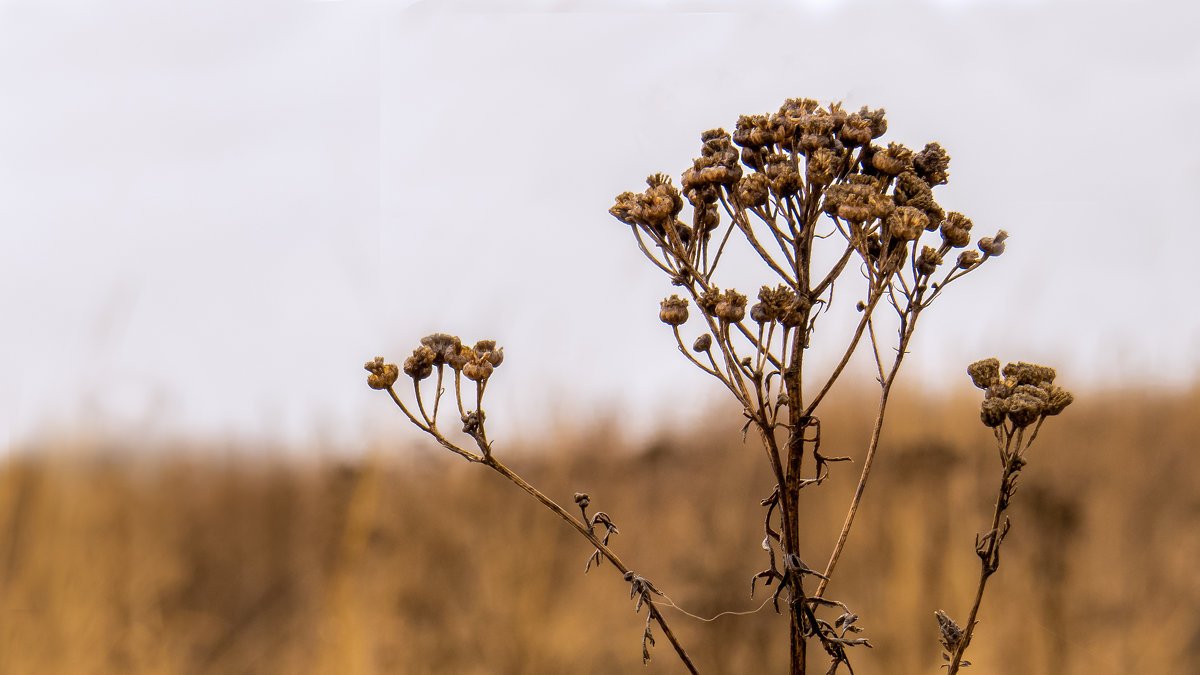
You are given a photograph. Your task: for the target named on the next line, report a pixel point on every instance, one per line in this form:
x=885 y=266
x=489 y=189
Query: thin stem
x=872 y=446
x=583 y=530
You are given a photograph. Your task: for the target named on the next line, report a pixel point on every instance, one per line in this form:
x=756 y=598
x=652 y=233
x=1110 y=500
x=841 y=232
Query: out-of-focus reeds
x=387 y=564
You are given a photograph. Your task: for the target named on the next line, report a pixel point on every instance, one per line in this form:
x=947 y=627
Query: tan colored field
x=205 y=563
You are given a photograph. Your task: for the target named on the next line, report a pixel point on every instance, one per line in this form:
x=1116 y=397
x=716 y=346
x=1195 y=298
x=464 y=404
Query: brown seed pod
x=702 y=343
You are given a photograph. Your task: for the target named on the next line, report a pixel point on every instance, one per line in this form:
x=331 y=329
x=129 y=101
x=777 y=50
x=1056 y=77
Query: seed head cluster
x=1022 y=393
x=437 y=351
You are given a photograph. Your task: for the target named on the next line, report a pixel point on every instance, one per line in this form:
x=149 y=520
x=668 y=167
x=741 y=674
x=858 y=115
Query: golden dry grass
x=420 y=563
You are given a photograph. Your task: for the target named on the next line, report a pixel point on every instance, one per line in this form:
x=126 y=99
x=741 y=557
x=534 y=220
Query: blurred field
x=412 y=561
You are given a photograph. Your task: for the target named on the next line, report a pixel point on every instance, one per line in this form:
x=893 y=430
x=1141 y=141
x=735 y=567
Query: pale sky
x=211 y=213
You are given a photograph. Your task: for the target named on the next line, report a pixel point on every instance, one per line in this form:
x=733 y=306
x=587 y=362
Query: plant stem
x=583 y=529
x=989 y=559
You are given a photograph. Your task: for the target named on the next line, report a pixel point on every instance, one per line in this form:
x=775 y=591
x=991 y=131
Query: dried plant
x=803 y=185
x=1020 y=400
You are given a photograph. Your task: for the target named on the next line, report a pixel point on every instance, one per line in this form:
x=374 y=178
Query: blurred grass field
x=201 y=560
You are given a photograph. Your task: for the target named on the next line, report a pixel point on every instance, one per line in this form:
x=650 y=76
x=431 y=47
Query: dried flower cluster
x=1016 y=400
x=783 y=183
x=1026 y=394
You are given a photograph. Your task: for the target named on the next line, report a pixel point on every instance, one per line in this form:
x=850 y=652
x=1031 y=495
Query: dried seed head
x=967 y=259
x=478 y=368
x=444 y=346
x=420 y=365
x=702 y=343
x=993 y=411
x=459 y=359
x=822 y=165
x=383 y=375
x=931 y=164
x=984 y=373
x=753 y=190
x=993 y=246
x=674 y=310
x=928 y=261
x=907 y=223
x=951 y=634
x=1024 y=409
x=956 y=229
x=753 y=131
x=781 y=170
x=856 y=131
x=731 y=307
x=761 y=313
x=893 y=161
x=707 y=302
x=1059 y=399
x=487 y=349
x=878 y=120
x=1028 y=373
x=582 y=500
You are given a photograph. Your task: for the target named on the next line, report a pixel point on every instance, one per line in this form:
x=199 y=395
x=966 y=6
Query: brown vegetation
x=414 y=562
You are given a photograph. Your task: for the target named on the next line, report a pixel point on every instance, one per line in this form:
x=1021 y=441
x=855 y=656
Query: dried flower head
x=985 y=373
x=383 y=375
x=931 y=164
x=993 y=246
x=478 y=368
x=956 y=229
x=1059 y=399
x=928 y=260
x=420 y=365
x=753 y=190
x=906 y=223
x=702 y=343
x=893 y=161
x=967 y=259
x=673 y=310
x=487 y=349
x=731 y=307
x=444 y=347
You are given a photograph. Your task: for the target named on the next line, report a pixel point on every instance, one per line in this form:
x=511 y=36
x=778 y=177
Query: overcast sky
x=211 y=213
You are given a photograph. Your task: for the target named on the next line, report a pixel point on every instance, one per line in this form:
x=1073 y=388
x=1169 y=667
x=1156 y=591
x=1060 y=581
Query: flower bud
x=702 y=343
x=674 y=310
x=383 y=375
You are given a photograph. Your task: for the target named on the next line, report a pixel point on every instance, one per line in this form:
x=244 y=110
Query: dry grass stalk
x=804 y=180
